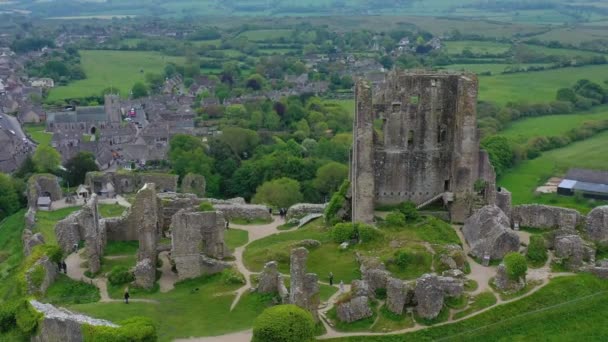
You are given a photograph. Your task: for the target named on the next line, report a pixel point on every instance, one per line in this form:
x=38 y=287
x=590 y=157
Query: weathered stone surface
x=304 y=289
x=546 y=217
x=361 y=288
x=574 y=251
x=453 y=257
x=269 y=278
x=369 y=262
x=145 y=274
x=429 y=295
x=212 y=266
x=30 y=241
x=353 y=310
x=300 y=210
x=488 y=233
x=83 y=225
x=130 y=182
x=62 y=325
x=398 y=295
x=307 y=219
x=454 y=274
x=376 y=278
x=597 y=224
x=451 y=287
x=506 y=284
x=43 y=185
x=30 y=218
x=40 y=276
x=308 y=243
x=429 y=144
x=601 y=272
x=503 y=201
x=248 y=212
x=198 y=238
x=194 y=184
x=144 y=215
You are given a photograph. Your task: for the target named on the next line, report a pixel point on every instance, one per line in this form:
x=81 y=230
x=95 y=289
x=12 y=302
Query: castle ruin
x=416 y=139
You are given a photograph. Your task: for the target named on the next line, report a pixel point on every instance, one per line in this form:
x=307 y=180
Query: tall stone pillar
x=362 y=165
x=304 y=291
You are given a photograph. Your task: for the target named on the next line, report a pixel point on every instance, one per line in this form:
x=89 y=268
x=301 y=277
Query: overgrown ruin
x=416 y=139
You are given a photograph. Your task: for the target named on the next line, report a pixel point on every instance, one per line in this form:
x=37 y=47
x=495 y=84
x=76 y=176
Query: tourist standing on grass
x=331 y=279
x=127 y=296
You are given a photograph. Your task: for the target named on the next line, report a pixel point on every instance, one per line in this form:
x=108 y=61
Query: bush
x=537 y=251
x=284 y=323
x=27 y=317
x=343 y=232
x=395 y=218
x=136 y=329
x=206 y=206
x=516 y=265
x=336 y=203
x=7 y=316
x=232 y=277
x=367 y=233
x=409 y=210
x=120 y=275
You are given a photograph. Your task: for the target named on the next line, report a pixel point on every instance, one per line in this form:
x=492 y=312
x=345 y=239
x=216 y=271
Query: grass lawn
x=388 y=321
x=535 y=87
x=121 y=248
x=477 y=303
x=118 y=69
x=11 y=252
x=38 y=133
x=348 y=105
x=568 y=309
x=111 y=210
x=551 y=125
x=477 y=47
x=67 y=291
x=523 y=179
x=186 y=311
x=46 y=221
x=262 y=35
x=235 y=238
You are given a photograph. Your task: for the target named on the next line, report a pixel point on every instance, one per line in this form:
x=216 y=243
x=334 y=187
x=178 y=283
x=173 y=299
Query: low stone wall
x=62 y=325
x=130 y=182
x=249 y=212
x=297 y=211
x=546 y=217
x=43 y=185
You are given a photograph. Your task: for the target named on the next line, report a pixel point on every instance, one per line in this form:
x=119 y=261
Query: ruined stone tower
x=416 y=140
x=112 y=108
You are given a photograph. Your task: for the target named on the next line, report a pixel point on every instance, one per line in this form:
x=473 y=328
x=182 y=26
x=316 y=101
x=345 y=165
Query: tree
x=329 y=177
x=566 y=94
x=139 y=90
x=282 y=192
x=516 y=266
x=187 y=155
x=47 y=159
x=500 y=151
x=255 y=82
x=537 y=250
x=78 y=166
x=284 y=323
x=242 y=141
x=9 y=197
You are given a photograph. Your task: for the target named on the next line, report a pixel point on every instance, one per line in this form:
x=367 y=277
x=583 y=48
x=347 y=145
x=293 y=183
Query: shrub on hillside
x=336 y=203
x=537 y=250
x=205 y=206
x=410 y=211
x=120 y=275
x=343 y=232
x=136 y=329
x=395 y=218
x=284 y=323
x=368 y=233
x=516 y=265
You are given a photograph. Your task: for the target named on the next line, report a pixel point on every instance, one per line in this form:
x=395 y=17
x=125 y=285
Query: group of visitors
x=282 y=212
x=62 y=267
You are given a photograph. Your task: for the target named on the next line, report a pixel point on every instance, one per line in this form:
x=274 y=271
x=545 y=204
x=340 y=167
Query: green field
x=561 y=52
x=494 y=68
x=118 y=69
x=523 y=179
x=538 y=86
x=261 y=35
x=38 y=133
x=477 y=47
x=551 y=125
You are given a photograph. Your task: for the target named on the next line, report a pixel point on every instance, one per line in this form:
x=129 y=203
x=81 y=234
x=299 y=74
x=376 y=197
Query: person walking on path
x=64 y=266
x=127 y=296
x=331 y=279
x=341 y=286
x=227 y=225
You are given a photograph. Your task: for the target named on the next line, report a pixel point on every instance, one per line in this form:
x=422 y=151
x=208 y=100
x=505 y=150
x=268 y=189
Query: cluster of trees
x=25 y=45
x=62 y=67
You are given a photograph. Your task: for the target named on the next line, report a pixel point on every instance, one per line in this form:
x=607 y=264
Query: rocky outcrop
x=376 y=278
x=597 y=224
x=451 y=287
x=62 y=325
x=248 y=212
x=30 y=218
x=506 y=284
x=43 y=185
x=40 y=276
x=355 y=309
x=452 y=257
x=488 y=233
x=30 y=241
x=503 y=201
x=304 y=289
x=270 y=278
x=574 y=251
x=399 y=294
x=546 y=217
x=194 y=184
x=429 y=296
x=297 y=211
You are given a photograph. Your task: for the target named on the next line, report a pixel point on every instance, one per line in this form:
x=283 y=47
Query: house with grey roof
x=589 y=183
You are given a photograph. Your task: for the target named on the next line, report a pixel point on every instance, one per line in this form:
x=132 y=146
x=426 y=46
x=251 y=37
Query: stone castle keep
x=416 y=139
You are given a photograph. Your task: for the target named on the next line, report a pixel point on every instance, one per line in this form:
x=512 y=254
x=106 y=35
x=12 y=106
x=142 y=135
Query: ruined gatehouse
x=416 y=139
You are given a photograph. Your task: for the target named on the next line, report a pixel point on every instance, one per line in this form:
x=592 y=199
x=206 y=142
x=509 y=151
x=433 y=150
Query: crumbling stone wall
x=60 y=324
x=429 y=144
x=488 y=233
x=597 y=224
x=174 y=202
x=249 y=212
x=84 y=225
x=43 y=185
x=129 y=182
x=304 y=289
x=503 y=201
x=145 y=215
x=48 y=270
x=546 y=217
x=300 y=210
x=31 y=240
x=198 y=243
x=194 y=184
